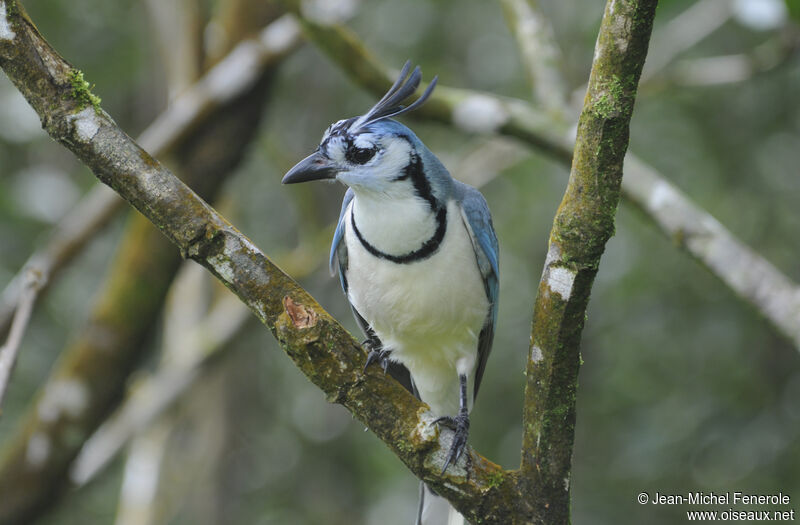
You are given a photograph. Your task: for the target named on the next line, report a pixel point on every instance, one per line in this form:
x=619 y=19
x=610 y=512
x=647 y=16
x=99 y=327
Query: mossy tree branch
x=583 y=224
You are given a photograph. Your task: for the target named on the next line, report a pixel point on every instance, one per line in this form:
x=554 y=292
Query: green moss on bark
x=82 y=91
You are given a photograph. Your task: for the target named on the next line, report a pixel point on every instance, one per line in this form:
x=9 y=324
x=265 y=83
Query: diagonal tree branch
x=749 y=275
x=642 y=185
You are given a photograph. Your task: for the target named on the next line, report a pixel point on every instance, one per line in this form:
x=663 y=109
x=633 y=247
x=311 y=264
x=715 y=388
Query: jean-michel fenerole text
x=720 y=498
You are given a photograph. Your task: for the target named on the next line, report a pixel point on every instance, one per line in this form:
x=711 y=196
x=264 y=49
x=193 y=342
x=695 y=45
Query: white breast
x=428 y=312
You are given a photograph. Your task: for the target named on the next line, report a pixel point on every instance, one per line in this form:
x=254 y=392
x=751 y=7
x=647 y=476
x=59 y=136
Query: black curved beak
x=314 y=167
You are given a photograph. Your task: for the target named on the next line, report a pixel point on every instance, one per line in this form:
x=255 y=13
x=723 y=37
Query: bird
x=417 y=258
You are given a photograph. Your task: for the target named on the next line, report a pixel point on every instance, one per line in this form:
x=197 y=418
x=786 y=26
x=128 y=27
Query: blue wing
x=338 y=259
x=339 y=248
x=478 y=220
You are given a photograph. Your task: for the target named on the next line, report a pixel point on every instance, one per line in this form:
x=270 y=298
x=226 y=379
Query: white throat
x=394 y=226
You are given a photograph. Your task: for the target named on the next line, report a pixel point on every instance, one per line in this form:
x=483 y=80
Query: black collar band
x=427 y=249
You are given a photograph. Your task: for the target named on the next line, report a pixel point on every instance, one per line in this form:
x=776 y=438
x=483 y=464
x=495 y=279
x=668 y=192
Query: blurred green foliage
x=683 y=388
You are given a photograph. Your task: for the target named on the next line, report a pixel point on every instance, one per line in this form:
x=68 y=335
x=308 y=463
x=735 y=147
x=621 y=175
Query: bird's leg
x=376 y=352
x=459 y=424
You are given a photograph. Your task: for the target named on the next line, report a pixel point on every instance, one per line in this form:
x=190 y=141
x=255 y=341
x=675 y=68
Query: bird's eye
x=360 y=155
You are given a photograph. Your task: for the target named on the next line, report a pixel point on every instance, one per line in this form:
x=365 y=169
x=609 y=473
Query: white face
x=347 y=151
x=367 y=161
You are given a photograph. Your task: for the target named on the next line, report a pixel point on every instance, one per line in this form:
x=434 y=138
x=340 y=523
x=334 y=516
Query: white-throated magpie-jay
x=418 y=260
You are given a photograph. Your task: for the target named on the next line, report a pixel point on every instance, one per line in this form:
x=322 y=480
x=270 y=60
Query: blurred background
x=684 y=386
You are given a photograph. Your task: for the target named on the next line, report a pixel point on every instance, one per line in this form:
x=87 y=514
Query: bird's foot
x=460 y=426
x=377 y=354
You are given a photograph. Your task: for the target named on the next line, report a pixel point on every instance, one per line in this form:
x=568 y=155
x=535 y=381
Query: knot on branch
x=426 y=432
x=300 y=316
x=201 y=244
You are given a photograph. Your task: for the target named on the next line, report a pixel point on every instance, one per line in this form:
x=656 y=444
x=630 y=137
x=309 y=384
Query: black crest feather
x=391 y=103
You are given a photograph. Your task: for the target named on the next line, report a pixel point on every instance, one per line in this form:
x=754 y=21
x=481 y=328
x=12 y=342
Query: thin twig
x=685 y=31
x=540 y=54
x=745 y=272
x=681 y=33
x=729 y=69
x=66 y=240
x=10 y=350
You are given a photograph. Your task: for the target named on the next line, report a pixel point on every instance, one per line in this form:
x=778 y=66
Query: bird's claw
x=460 y=426
x=376 y=354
